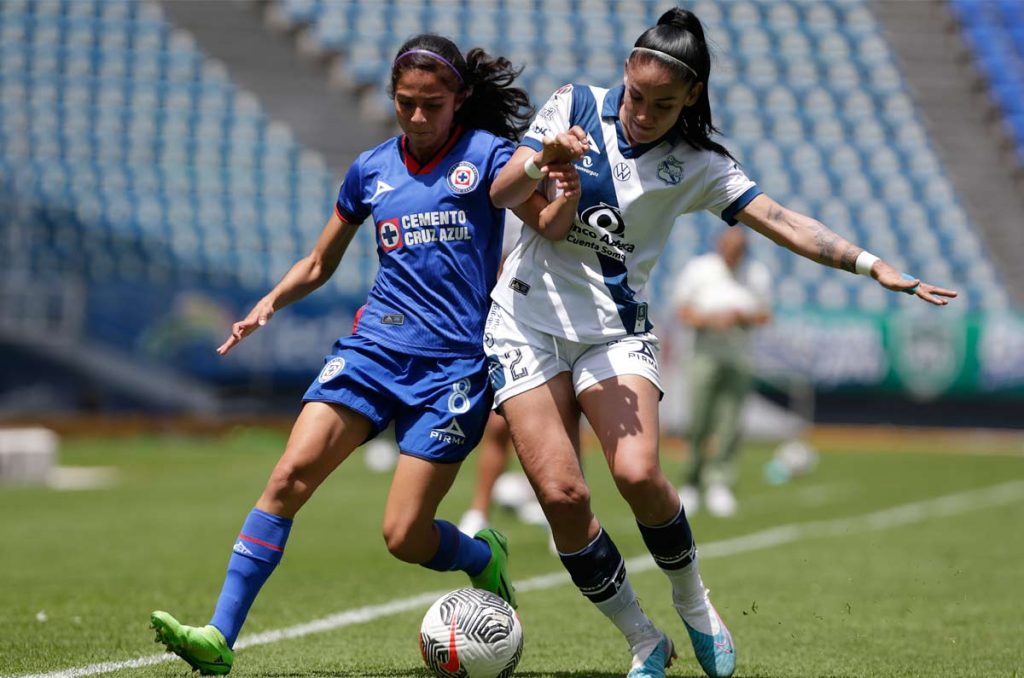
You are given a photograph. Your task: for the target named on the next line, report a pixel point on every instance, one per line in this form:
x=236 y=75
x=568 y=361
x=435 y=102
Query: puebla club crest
x=670 y=171
x=463 y=178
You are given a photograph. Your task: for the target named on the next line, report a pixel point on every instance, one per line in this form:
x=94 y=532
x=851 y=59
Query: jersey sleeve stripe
x=345 y=216
x=535 y=144
x=729 y=213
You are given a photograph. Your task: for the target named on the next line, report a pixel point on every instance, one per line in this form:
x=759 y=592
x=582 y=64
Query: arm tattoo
x=826 y=241
x=848 y=260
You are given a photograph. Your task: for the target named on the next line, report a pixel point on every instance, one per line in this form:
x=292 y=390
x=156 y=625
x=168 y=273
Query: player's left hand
x=891 y=279
x=258 y=317
x=567 y=178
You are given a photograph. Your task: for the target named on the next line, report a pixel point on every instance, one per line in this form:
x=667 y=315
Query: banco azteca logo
x=604 y=216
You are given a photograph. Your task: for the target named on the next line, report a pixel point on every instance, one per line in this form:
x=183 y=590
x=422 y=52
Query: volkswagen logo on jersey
x=390 y=234
x=623 y=172
x=331 y=369
x=463 y=178
x=604 y=216
x=670 y=171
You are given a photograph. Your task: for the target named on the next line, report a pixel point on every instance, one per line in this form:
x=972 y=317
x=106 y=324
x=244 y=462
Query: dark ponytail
x=492 y=103
x=680 y=35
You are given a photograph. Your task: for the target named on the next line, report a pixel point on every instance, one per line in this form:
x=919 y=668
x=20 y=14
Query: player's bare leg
x=322 y=437
x=417 y=489
x=491 y=461
x=624 y=414
x=545 y=428
x=413 y=534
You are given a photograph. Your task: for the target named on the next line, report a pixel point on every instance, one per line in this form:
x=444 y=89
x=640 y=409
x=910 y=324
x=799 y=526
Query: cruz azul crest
x=463 y=178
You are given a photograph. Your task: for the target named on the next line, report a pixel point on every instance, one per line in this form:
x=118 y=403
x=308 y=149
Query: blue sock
x=257 y=552
x=458 y=551
x=598 y=570
x=670 y=544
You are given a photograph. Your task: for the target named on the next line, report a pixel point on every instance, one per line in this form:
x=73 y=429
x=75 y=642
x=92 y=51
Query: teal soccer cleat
x=495 y=577
x=655 y=663
x=203 y=648
x=715 y=651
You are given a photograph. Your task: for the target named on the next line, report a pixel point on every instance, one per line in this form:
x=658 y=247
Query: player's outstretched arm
x=812 y=239
x=303 y=277
x=519 y=177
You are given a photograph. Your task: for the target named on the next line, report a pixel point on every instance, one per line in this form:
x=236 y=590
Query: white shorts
x=520 y=358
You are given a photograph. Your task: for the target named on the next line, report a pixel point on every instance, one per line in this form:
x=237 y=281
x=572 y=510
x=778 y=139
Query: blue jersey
x=438 y=241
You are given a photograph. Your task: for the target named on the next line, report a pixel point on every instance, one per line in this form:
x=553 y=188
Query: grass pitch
x=934 y=589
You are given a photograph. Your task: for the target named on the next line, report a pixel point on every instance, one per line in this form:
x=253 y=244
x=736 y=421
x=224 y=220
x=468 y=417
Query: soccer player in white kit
x=568 y=332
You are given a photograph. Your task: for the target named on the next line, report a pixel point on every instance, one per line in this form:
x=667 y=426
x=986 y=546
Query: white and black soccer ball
x=471 y=633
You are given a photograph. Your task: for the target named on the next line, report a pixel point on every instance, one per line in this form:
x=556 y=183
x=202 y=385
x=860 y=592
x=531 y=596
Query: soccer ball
x=471 y=633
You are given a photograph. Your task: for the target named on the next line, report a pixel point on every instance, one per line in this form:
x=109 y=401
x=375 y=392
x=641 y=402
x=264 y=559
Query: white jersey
x=591 y=287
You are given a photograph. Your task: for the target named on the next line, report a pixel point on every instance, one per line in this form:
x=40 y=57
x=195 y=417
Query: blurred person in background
x=568 y=331
x=723 y=296
x=415 y=355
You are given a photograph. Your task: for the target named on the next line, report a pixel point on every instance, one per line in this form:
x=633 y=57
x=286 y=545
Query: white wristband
x=531 y=169
x=865 y=260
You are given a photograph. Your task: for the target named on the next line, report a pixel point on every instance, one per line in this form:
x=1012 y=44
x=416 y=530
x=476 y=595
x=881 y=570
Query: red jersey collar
x=415 y=168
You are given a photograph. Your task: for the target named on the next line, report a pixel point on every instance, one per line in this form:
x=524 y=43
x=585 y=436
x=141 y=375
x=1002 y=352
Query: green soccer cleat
x=204 y=648
x=494 y=577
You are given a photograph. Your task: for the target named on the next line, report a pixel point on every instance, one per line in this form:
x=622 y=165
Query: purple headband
x=436 y=57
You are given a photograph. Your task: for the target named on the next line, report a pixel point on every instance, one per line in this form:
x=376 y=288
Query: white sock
x=623 y=609
x=690 y=598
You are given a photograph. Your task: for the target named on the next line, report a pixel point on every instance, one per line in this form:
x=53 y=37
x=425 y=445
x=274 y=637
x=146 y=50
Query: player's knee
x=286 y=487
x=560 y=497
x=402 y=543
x=637 y=479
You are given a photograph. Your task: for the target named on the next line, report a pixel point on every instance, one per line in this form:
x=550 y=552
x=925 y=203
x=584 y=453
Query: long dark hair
x=680 y=35
x=491 y=104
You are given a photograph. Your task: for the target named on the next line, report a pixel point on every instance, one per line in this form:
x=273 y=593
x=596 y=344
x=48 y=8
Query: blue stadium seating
x=113 y=123
x=145 y=157
x=994 y=29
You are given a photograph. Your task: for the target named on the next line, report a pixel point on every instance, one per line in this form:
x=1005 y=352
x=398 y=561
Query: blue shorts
x=439 y=405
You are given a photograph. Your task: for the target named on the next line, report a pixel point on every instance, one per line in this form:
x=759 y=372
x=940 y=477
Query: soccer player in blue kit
x=569 y=332
x=416 y=355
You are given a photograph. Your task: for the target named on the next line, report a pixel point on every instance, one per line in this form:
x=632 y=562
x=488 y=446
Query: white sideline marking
x=948 y=505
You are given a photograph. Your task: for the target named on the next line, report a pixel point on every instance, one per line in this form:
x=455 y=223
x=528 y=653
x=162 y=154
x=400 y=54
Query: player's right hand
x=257 y=318
x=565 y=146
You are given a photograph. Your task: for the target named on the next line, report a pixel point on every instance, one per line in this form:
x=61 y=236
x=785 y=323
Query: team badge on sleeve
x=463 y=178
